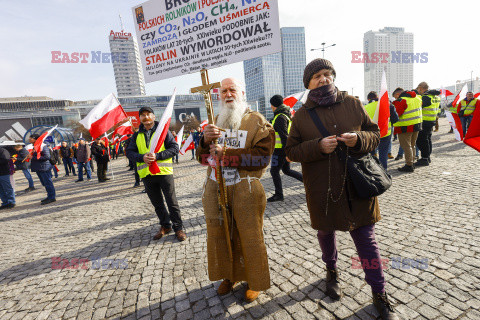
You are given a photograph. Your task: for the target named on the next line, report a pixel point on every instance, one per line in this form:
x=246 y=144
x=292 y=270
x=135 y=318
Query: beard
x=231 y=113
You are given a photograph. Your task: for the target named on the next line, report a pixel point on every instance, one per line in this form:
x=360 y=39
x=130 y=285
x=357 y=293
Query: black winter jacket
x=171 y=146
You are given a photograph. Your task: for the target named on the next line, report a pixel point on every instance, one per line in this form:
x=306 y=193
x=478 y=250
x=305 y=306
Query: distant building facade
x=127 y=66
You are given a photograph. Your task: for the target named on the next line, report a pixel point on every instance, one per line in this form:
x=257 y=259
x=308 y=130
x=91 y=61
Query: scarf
x=325 y=95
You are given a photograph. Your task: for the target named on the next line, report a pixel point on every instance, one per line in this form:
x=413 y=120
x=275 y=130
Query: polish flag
x=105 y=115
x=179 y=137
x=294 y=98
x=161 y=133
x=472 y=138
x=382 y=113
x=38 y=145
x=57 y=147
x=460 y=96
x=125 y=128
x=476 y=95
x=188 y=145
x=456 y=124
x=445 y=93
x=203 y=125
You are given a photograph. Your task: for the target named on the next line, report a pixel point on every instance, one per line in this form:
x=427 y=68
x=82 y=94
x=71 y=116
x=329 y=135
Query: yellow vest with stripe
x=430 y=113
x=370 y=108
x=452 y=109
x=468 y=108
x=166 y=166
x=278 y=141
x=413 y=113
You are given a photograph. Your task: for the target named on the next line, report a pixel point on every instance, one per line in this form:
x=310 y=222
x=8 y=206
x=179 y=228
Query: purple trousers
x=367 y=249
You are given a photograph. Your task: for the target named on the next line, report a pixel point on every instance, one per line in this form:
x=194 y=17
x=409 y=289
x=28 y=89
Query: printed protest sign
x=177 y=37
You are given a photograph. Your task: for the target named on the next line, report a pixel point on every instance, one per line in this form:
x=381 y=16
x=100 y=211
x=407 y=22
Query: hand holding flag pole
x=161 y=132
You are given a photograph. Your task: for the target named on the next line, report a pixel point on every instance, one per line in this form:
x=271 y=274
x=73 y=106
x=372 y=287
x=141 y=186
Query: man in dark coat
x=22 y=164
x=281 y=124
x=83 y=157
x=7 y=194
x=100 y=152
x=67 y=155
x=331 y=197
x=42 y=166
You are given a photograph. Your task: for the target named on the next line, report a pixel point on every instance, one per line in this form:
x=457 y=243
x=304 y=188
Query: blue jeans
x=466 y=123
x=383 y=149
x=54 y=172
x=46 y=180
x=80 y=170
x=68 y=164
x=27 y=174
x=6 y=190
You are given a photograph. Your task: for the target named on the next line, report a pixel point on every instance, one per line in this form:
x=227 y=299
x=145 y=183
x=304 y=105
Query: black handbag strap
x=318 y=123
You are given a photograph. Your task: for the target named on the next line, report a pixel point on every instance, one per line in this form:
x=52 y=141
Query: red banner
x=133 y=116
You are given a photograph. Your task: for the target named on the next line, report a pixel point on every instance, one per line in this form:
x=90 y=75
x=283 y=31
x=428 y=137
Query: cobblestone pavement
x=432 y=214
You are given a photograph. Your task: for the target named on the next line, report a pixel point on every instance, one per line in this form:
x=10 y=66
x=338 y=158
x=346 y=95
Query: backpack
x=53 y=159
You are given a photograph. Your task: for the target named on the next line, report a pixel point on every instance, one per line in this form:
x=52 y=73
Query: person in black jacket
x=7 y=194
x=42 y=167
x=101 y=157
x=22 y=164
x=281 y=124
x=162 y=182
x=67 y=156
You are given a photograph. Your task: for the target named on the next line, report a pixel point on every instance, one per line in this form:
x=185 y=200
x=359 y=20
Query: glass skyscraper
x=278 y=73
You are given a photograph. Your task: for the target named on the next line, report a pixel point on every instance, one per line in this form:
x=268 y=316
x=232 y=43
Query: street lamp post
x=471 y=80
x=323 y=48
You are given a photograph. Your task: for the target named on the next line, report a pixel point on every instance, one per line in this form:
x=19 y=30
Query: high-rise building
x=126 y=64
x=399 y=74
x=278 y=73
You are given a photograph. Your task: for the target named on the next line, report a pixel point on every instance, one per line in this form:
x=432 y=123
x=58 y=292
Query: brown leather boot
x=163 y=231
x=251 y=295
x=225 y=287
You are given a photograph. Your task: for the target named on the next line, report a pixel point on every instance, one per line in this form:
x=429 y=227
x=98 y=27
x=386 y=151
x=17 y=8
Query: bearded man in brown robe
x=245 y=143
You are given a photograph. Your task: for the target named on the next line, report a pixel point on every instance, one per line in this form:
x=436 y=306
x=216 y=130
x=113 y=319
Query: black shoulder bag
x=368 y=176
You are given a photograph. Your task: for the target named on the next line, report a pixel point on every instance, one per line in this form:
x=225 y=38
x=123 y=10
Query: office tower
x=388 y=40
x=126 y=64
x=278 y=73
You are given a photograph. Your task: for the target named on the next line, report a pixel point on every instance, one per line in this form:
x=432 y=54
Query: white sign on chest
x=233 y=139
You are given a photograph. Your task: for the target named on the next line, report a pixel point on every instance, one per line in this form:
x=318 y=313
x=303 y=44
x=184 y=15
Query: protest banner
x=177 y=37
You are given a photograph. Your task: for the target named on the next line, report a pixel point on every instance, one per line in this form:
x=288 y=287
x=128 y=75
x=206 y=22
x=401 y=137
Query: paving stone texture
x=432 y=214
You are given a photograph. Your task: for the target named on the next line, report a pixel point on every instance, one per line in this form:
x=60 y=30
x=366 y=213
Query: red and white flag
x=203 y=125
x=188 y=145
x=125 y=128
x=456 y=124
x=294 y=98
x=57 y=147
x=382 y=113
x=161 y=132
x=38 y=145
x=105 y=115
x=472 y=138
x=460 y=96
x=476 y=95
x=179 y=137
x=445 y=93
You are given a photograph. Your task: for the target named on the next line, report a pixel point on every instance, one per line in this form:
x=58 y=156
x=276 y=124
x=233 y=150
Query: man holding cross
x=245 y=143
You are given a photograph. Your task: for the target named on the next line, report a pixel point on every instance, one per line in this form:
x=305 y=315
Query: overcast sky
x=31 y=29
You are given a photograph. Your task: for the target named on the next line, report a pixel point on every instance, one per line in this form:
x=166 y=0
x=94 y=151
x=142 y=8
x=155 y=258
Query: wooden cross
x=205 y=89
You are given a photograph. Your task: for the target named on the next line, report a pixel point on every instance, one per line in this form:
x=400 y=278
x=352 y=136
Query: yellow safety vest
x=452 y=109
x=166 y=166
x=278 y=141
x=370 y=108
x=468 y=109
x=413 y=113
x=430 y=113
